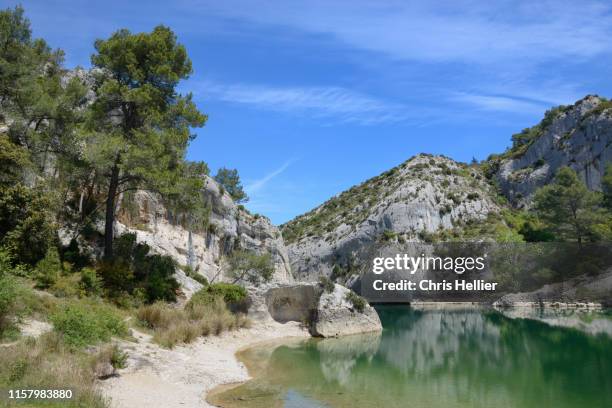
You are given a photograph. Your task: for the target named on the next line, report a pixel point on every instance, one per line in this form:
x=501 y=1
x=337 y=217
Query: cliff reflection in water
x=436 y=358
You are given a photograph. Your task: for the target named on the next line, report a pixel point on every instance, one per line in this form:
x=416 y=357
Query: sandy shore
x=181 y=377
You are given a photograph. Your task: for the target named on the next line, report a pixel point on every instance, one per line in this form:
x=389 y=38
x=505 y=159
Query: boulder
x=293 y=303
x=326 y=314
x=337 y=316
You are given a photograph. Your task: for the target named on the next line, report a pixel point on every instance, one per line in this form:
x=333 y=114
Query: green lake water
x=439 y=358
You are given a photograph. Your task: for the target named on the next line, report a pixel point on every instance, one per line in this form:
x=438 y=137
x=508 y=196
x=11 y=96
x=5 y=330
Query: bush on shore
x=174 y=326
x=234 y=296
x=87 y=323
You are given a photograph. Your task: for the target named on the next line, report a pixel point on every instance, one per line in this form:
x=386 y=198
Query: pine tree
x=139 y=126
x=230 y=180
x=568 y=207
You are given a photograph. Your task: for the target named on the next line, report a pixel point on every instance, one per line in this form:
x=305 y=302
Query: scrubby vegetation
x=359 y=303
x=48 y=363
x=85 y=323
x=327 y=284
x=234 y=296
x=352 y=207
x=203 y=317
x=248 y=266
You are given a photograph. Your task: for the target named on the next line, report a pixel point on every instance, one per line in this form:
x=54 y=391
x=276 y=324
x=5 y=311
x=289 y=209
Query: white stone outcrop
x=579 y=136
x=231 y=227
x=326 y=314
x=337 y=316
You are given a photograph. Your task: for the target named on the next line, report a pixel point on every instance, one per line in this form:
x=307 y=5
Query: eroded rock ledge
x=326 y=314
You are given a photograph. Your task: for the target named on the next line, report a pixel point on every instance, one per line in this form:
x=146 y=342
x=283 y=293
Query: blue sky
x=307 y=98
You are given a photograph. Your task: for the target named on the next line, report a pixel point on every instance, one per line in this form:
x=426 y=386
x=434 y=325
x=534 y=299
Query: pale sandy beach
x=182 y=377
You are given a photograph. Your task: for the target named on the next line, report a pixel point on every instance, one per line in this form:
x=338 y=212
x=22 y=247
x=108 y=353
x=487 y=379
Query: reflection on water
x=436 y=358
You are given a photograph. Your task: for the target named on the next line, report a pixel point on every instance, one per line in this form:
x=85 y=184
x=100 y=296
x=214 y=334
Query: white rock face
x=328 y=314
x=425 y=194
x=336 y=316
x=579 y=137
x=231 y=227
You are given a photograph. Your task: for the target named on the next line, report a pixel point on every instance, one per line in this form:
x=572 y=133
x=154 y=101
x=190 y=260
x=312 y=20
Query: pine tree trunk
x=109 y=223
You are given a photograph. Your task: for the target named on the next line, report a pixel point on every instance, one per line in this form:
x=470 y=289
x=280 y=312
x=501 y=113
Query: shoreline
x=495 y=305
x=186 y=375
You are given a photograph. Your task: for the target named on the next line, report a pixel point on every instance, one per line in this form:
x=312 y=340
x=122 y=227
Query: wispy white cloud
x=336 y=103
x=473 y=32
x=255 y=186
x=496 y=103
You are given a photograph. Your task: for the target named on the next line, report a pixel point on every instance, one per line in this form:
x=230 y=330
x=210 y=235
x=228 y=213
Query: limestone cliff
x=578 y=136
x=410 y=202
x=229 y=226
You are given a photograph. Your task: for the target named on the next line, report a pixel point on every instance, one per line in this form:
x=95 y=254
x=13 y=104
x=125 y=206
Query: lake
x=439 y=357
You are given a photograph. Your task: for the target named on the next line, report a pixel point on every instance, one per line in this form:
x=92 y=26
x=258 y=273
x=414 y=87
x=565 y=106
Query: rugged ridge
x=578 y=136
x=410 y=202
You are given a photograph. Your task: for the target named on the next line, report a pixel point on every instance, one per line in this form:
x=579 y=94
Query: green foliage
x=13 y=160
x=90 y=282
x=72 y=254
x=144 y=146
x=359 y=303
x=230 y=181
x=568 y=207
x=25 y=223
x=118 y=358
x=87 y=323
x=48 y=269
x=249 y=266
x=67 y=286
x=389 y=235
x=327 y=284
x=174 y=326
x=234 y=296
x=8 y=296
x=183 y=197
x=132 y=268
x=195 y=276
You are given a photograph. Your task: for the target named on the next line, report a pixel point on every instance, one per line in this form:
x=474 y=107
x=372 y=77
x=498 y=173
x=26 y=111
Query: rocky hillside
x=230 y=226
x=433 y=198
x=578 y=136
x=412 y=202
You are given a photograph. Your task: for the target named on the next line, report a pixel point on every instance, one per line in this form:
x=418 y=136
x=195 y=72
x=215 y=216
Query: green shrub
x=194 y=275
x=327 y=284
x=86 y=323
x=133 y=269
x=72 y=253
x=234 y=296
x=25 y=223
x=67 y=286
x=8 y=296
x=118 y=358
x=48 y=269
x=91 y=283
x=389 y=235
x=250 y=266
x=229 y=292
x=357 y=301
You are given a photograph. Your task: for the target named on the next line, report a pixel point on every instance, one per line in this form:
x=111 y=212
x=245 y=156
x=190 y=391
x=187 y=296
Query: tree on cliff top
x=568 y=207
x=230 y=180
x=139 y=126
